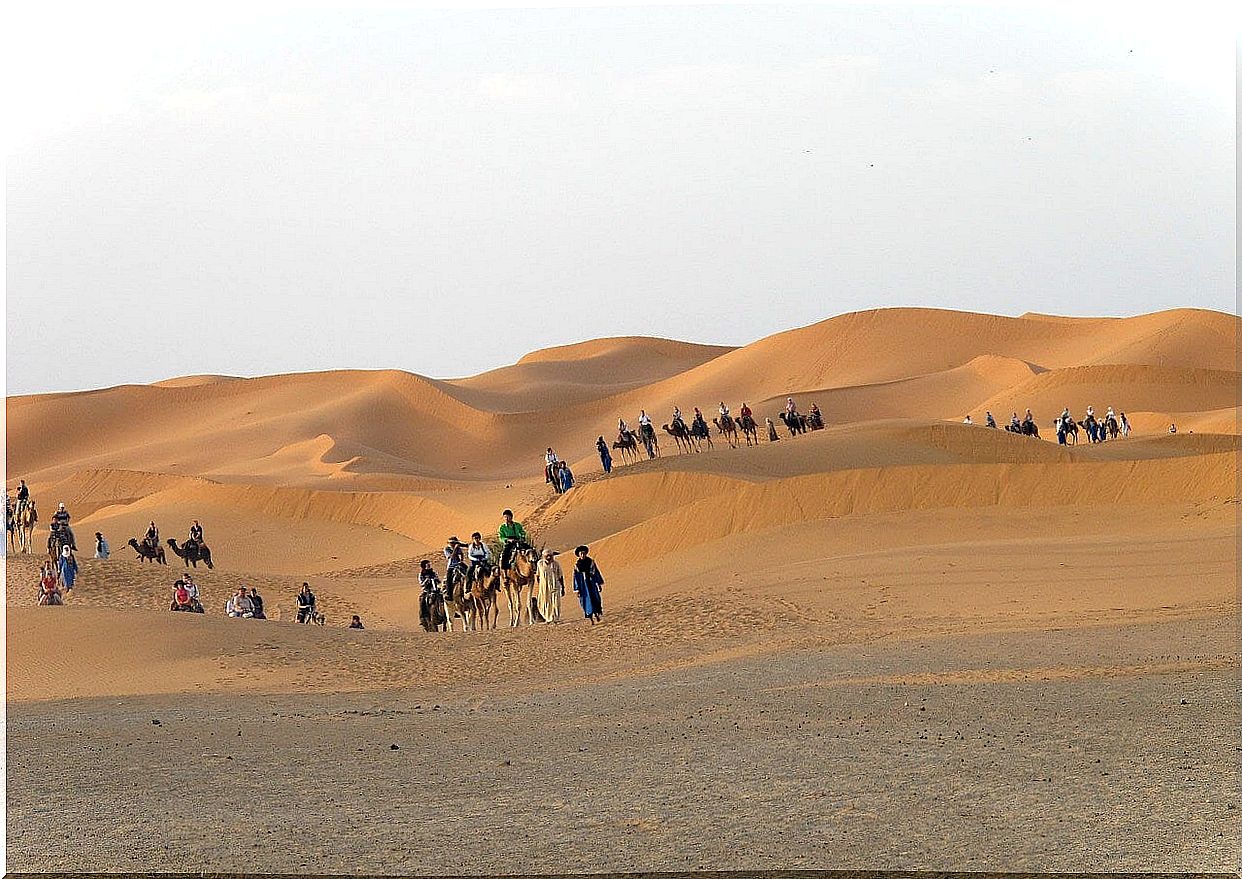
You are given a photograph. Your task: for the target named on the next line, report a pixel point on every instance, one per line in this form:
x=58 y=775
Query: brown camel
x=192 y=552
x=486 y=591
x=727 y=429
x=147 y=554
x=681 y=436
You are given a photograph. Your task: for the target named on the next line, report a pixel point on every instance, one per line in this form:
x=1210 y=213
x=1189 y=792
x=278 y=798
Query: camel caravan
x=1111 y=426
x=695 y=435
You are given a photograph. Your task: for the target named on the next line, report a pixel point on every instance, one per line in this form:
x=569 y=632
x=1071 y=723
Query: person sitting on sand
x=512 y=535
x=256 y=600
x=306 y=604
x=239 y=605
x=356 y=623
x=587 y=583
x=181 y=597
x=102 y=550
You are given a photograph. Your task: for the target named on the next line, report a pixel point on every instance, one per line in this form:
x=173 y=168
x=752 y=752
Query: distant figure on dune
x=356 y=623
x=605 y=456
x=566 y=477
x=1172 y=428
x=815 y=418
x=550 y=462
x=1125 y=425
x=967 y=420
x=772 y=437
x=991 y=422
x=102 y=550
x=587 y=584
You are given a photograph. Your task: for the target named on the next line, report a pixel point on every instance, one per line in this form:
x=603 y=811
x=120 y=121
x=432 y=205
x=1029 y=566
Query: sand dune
x=350 y=477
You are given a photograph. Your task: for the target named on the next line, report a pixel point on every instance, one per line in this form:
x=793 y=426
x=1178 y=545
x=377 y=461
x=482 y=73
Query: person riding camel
x=196 y=533
x=550 y=462
x=480 y=558
x=152 y=538
x=644 y=424
x=678 y=421
x=747 y=417
x=455 y=561
x=512 y=535
x=23 y=495
x=991 y=422
x=815 y=416
x=724 y=411
x=60 y=524
x=623 y=429
x=791 y=408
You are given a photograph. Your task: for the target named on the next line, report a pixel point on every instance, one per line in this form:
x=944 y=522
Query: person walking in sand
x=68 y=568
x=772 y=436
x=549 y=587
x=1125 y=424
x=605 y=455
x=102 y=550
x=588 y=582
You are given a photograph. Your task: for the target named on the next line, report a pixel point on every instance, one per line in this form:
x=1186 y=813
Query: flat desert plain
x=899 y=642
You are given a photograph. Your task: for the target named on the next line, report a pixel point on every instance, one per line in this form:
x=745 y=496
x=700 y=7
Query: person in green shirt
x=512 y=535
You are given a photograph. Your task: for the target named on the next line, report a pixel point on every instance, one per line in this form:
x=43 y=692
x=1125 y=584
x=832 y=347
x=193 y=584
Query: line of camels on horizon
x=692 y=437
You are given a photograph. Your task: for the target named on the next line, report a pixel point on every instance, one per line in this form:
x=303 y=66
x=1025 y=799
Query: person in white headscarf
x=549 y=587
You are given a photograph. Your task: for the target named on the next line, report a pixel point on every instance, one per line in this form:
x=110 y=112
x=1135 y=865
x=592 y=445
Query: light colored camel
x=518 y=582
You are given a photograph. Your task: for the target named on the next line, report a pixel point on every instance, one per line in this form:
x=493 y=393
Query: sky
x=258 y=188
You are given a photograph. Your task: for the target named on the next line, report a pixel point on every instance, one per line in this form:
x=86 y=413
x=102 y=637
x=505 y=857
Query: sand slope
x=858 y=532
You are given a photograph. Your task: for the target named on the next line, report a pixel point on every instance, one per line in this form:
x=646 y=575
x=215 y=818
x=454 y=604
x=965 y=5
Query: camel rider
x=196 y=533
x=1014 y=423
x=791 y=408
x=23 y=495
x=1110 y=415
x=512 y=535
x=60 y=523
x=153 y=537
x=724 y=411
x=623 y=428
x=644 y=423
x=1090 y=411
x=480 y=556
x=1065 y=414
x=991 y=422
x=677 y=419
x=1030 y=419
x=815 y=415
x=745 y=414
x=455 y=560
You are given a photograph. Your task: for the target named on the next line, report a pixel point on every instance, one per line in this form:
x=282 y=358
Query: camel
x=57 y=540
x=1026 y=428
x=147 y=554
x=459 y=602
x=749 y=430
x=192 y=552
x=432 y=614
x=727 y=429
x=681 y=436
x=627 y=444
x=486 y=591
x=27 y=517
x=520 y=576
x=700 y=432
x=650 y=443
x=795 y=421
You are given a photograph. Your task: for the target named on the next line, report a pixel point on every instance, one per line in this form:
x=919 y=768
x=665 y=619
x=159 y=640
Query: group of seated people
x=245 y=603
x=185 y=595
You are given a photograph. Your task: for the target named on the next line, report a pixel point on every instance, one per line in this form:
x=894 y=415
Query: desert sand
x=899 y=642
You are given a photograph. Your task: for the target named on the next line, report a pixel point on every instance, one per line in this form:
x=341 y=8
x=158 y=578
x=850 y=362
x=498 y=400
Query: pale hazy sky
x=256 y=188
